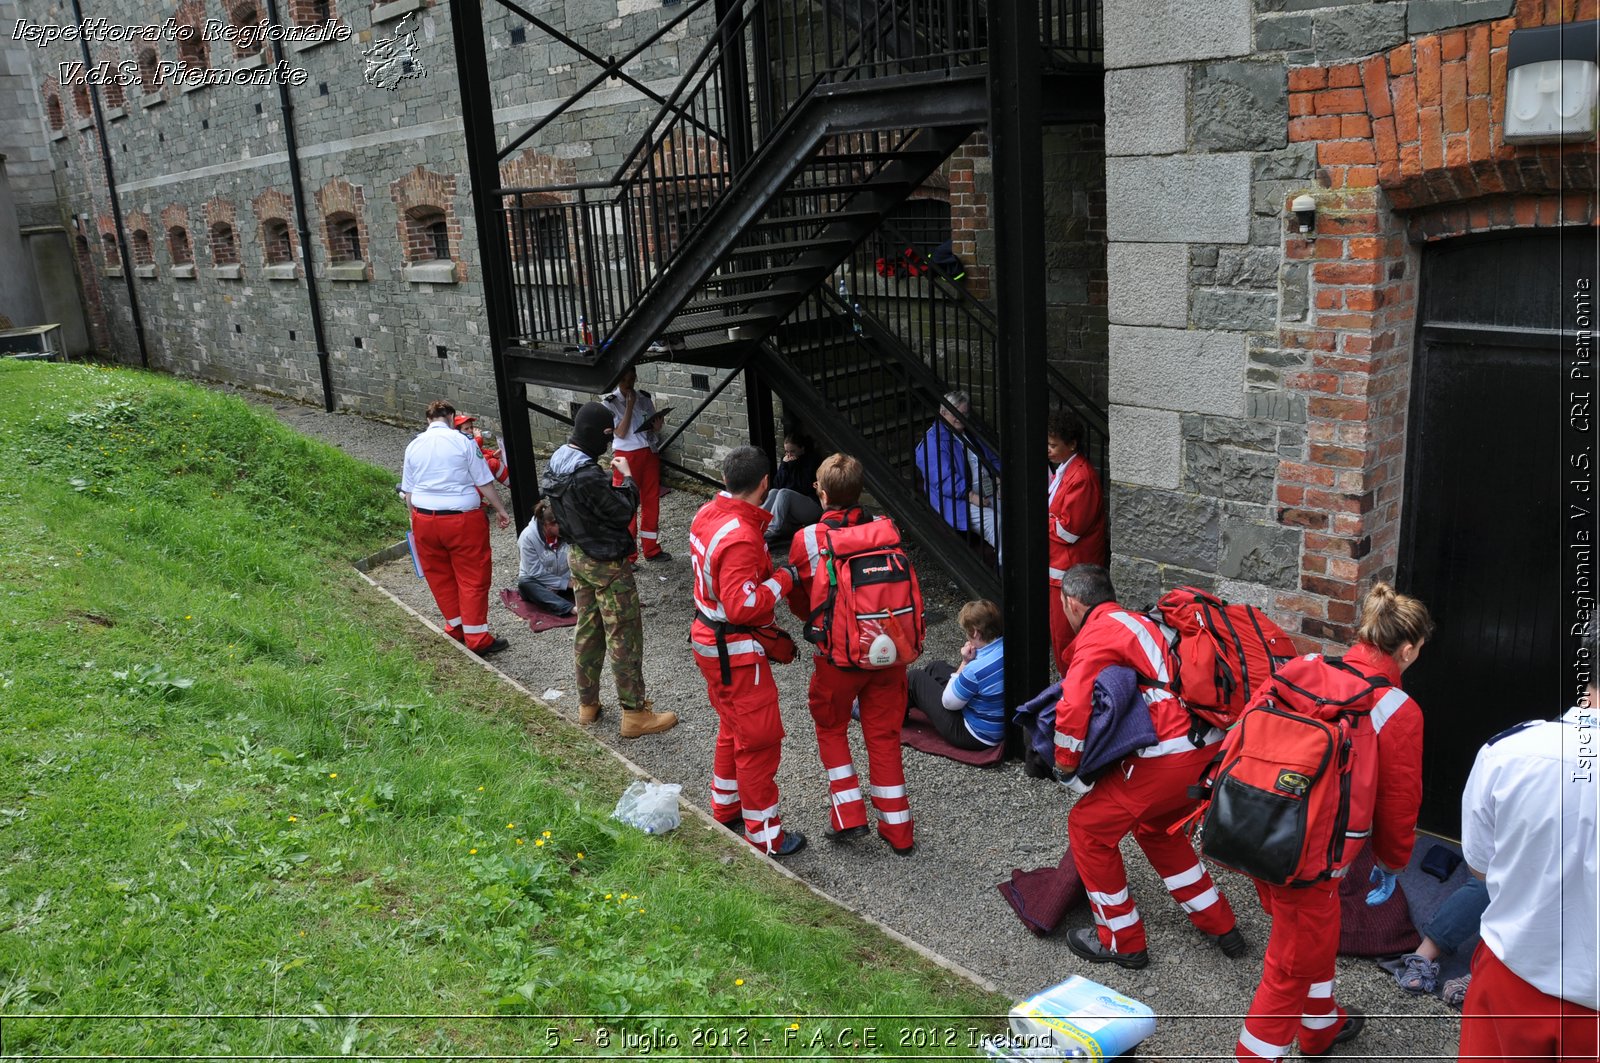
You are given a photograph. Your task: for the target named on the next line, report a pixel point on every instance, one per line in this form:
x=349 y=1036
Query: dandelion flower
x=294 y=819
x=624 y=896
x=738 y=981
x=608 y=896
x=580 y=856
x=794 y=1026
x=519 y=841
x=511 y=826
x=641 y=911
x=333 y=775
x=480 y=789
x=539 y=844
x=546 y=834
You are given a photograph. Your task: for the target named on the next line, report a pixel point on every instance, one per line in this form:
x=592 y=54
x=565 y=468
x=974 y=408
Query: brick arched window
x=149 y=71
x=224 y=246
x=80 y=100
x=192 y=49
x=427 y=235
x=344 y=238
x=276 y=245
x=114 y=94
x=108 y=248
x=178 y=246
x=144 y=253
x=310 y=12
x=52 y=110
x=246 y=16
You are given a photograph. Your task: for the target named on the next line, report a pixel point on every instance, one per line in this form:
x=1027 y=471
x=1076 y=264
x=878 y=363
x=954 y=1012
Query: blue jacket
x=942 y=458
x=1119 y=722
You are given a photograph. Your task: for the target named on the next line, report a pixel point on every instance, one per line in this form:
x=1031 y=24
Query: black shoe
x=1232 y=944
x=662 y=556
x=1354 y=1022
x=900 y=850
x=735 y=825
x=1085 y=941
x=845 y=834
x=793 y=842
x=494 y=647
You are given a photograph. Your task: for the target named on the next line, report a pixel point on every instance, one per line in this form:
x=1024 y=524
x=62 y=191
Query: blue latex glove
x=1385 y=883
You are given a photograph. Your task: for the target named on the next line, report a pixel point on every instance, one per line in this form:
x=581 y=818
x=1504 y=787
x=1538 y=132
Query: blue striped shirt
x=982 y=685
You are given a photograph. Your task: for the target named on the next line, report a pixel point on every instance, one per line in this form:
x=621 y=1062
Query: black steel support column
x=483 y=169
x=1018 y=159
x=758 y=408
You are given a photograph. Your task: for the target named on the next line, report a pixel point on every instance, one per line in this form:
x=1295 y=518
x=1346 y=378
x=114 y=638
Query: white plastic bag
x=650 y=806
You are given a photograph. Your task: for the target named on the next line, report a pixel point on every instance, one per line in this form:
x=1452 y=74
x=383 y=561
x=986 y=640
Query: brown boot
x=642 y=721
x=588 y=713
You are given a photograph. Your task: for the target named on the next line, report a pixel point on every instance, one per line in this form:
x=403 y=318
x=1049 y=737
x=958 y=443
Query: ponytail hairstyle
x=1390 y=619
x=544 y=513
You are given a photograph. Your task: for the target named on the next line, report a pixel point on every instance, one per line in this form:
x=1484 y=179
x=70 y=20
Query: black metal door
x=1485 y=531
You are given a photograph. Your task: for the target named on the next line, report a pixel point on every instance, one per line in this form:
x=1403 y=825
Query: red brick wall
x=273 y=205
x=221 y=231
x=143 y=253
x=339 y=196
x=419 y=197
x=175 y=232
x=969 y=210
x=1409 y=149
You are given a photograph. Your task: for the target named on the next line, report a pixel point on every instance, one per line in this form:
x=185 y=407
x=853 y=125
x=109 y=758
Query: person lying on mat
x=967 y=703
x=544 y=576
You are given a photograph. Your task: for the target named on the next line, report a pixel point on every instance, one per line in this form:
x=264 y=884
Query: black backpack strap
x=720 y=628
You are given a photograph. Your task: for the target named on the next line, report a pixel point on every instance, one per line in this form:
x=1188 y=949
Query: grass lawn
x=234 y=781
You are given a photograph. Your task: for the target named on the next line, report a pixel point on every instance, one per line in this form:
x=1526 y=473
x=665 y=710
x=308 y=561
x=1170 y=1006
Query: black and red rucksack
x=1225 y=652
x=865 y=598
x=1293 y=791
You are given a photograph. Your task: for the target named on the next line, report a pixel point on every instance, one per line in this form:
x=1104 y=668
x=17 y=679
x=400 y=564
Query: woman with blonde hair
x=1295 y=997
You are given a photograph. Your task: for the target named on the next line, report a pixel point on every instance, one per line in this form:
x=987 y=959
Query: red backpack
x=1292 y=797
x=1225 y=652
x=865 y=598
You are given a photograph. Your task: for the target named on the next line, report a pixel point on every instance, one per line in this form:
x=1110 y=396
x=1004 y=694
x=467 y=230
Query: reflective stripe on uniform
x=889 y=791
x=1200 y=902
x=1057 y=574
x=765 y=834
x=1153 y=653
x=1061 y=530
x=1185 y=878
x=843 y=771
x=893 y=817
x=1320 y=1022
x=648 y=535
x=1067 y=742
x=475 y=629
x=724 y=798
x=845 y=797
x=1181 y=744
x=1321 y=989
x=813 y=552
x=1120 y=897
x=1387 y=706
x=1122 y=922
x=1261 y=1048
x=454 y=621
x=734 y=646
x=760 y=814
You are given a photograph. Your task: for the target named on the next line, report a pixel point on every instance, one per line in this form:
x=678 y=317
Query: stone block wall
x=1260 y=380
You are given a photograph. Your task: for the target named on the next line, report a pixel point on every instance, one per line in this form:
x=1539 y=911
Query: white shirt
x=443 y=468
x=1529 y=823
x=644 y=408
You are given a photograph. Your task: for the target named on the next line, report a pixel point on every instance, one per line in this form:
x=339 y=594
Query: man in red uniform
x=1077 y=530
x=880 y=692
x=1146 y=793
x=467 y=425
x=446 y=483
x=735 y=591
x=634 y=438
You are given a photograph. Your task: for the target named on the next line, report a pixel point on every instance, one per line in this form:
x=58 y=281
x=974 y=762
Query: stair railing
x=617 y=238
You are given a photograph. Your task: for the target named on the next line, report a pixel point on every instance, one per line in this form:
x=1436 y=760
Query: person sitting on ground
x=967 y=704
x=594 y=517
x=956 y=467
x=493 y=456
x=1453 y=925
x=544 y=577
x=793 y=498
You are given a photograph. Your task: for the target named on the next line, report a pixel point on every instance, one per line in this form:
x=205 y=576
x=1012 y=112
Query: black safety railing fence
x=1070 y=30
x=952 y=333
x=905 y=413
x=764 y=59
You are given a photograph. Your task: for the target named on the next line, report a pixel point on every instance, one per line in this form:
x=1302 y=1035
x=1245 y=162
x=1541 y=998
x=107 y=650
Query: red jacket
x=1398 y=721
x=1077 y=533
x=1113 y=635
x=803 y=554
x=733 y=576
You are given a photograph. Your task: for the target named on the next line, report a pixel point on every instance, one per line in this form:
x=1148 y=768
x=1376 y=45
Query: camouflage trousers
x=608 y=619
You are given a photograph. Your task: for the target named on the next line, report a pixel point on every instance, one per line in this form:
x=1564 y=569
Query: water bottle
x=844 y=291
x=856 y=317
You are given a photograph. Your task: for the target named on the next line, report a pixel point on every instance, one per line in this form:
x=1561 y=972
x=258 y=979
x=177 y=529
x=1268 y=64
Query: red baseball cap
x=462 y=419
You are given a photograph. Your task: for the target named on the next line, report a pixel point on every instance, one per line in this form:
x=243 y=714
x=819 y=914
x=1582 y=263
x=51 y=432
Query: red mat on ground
x=920 y=735
x=1381 y=931
x=538 y=620
x=1041 y=897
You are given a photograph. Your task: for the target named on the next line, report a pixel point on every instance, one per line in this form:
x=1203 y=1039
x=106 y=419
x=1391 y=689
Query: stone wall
x=1259 y=381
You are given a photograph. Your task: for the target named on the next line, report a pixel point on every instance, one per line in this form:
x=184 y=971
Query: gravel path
x=973 y=826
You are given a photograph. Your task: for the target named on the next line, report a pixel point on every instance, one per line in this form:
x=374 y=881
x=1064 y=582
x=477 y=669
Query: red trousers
x=882 y=695
x=744 y=765
x=1061 y=633
x=646 y=468
x=1295 y=997
x=1506 y=1018
x=1144 y=796
x=453 y=551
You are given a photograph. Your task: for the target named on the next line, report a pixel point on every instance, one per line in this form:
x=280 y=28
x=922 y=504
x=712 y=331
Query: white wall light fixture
x=1553 y=84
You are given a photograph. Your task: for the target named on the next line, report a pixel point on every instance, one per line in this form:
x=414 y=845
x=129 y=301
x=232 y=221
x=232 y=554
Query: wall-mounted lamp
x=1553 y=83
x=1305 y=212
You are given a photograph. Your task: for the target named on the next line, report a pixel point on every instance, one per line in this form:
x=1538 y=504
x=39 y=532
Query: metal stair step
x=690 y=324
x=784 y=247
x=799 y=220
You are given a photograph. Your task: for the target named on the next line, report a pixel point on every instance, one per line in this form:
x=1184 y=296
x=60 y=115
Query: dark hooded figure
x=594 y=517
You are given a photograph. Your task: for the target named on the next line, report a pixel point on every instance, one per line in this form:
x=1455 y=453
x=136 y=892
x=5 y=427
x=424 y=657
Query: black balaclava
x=591 y=429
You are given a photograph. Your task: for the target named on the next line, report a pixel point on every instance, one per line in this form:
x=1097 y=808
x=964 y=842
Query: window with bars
x=144 y=253
x=344 y=238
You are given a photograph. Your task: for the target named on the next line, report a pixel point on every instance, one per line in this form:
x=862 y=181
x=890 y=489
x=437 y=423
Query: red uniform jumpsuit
x=734 y=582
x=881 y=694
x=1296 y=991
x=1145 y=793
x=1077 y=536
x=645 y=465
